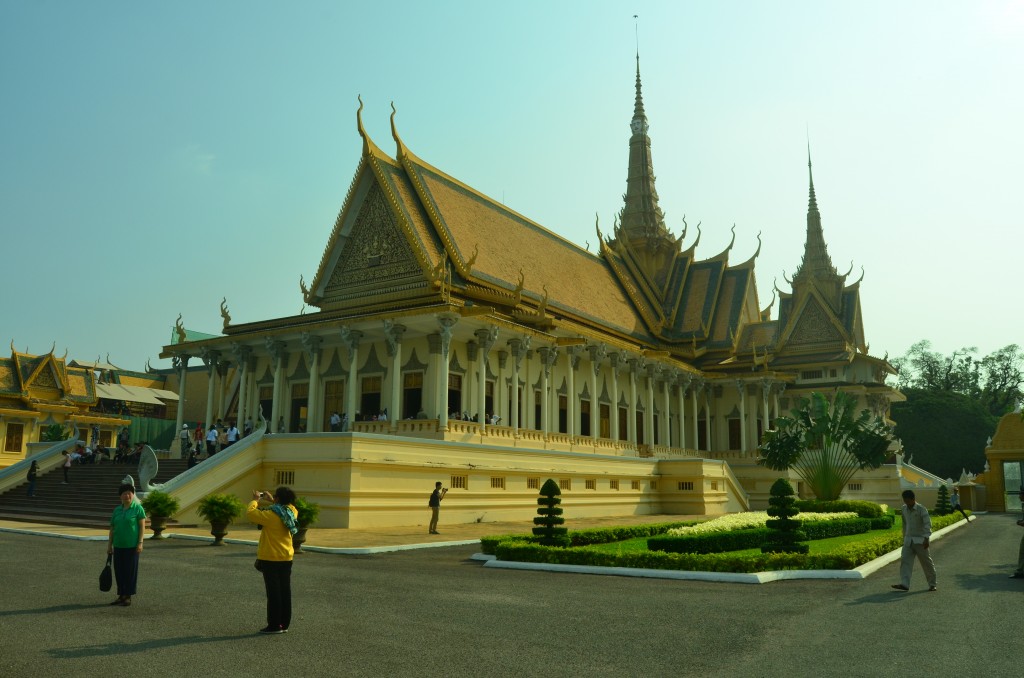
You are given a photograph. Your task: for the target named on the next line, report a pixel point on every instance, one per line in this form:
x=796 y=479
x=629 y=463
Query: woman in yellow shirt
x=277 y=514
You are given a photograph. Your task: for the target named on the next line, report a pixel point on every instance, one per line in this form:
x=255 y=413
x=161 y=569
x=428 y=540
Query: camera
x=261 y=495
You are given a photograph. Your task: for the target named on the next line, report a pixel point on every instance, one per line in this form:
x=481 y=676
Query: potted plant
x=219 y=510
x=309 y=513
x=160 y=507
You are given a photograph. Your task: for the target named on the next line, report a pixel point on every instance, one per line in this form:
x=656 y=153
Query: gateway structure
x=462 y=342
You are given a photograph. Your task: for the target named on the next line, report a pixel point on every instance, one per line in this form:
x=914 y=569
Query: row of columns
x=485 y=339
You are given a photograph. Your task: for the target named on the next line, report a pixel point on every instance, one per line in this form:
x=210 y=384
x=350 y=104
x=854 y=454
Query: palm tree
x=826 y=444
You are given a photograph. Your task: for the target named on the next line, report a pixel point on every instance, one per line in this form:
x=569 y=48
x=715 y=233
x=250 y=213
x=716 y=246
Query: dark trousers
x=65 y=474
x=277 y=577
x=31 y=488
x=960 y=508
x=126 y=570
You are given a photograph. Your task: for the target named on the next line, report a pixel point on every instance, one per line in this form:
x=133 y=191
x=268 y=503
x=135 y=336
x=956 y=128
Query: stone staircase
x=87 y=501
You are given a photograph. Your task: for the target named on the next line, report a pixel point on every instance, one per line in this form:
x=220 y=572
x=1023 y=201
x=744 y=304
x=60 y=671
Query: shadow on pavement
x=54 y=608
x=106 y=649
x=995 y=583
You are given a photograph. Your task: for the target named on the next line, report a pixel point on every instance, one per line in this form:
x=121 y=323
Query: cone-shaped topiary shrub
x=785 y=532
x=549 y=517
x=942 y=505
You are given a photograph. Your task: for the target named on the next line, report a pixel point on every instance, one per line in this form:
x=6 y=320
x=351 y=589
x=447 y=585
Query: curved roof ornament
x=697 y=241
x=597 y=225
x=54 y=347
x=149 y=368
x=65 y=356
x=359 y=118
x=733 y=241
x=472 y=260
x=758 y=252
x=775 y=285
x=861 y=276
x=848 y=272
x=685 y=228
x=394 y=132
x=13 y=350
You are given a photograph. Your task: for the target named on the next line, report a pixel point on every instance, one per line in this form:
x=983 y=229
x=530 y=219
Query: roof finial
x=812 y=200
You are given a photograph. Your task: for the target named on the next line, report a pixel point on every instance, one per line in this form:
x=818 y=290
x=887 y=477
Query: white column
x=210 y=359
x=683 y=381
x=222 y=374
x=652 y=372
x=696 y=414
x=615 y=359
x=548 y=355
x=572 y=355
x=666 y=415
x=597 y=355
x=314 y=417
x=501 y=394
x=278 y=356
x=766 y=388
x=485 y=338
x=446 y=322
x=707 y=415
x=393 y=339
x=742 y=388
x=242 y=354
x=515 y=347
x=181 y=363
x=634 y=365
x=529 y=397
x=351 y=338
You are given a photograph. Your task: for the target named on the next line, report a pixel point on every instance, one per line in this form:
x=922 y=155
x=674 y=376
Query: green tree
x=943 y=432
x=997 y=380
x=942 y=505
x=826 y=444
x=786 y=533
x=549 y=516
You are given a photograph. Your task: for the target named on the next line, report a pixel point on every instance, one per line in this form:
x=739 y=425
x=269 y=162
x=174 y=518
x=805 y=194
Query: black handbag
x=106 y=576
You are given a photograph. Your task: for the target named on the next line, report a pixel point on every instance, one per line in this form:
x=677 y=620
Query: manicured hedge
x=739 y=540
x=598 y=535
x=864 y=509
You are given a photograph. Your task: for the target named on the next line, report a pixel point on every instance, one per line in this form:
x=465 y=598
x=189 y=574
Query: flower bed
x=845 y=557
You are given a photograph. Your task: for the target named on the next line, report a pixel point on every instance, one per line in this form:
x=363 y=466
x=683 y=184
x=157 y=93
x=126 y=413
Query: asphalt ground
x=435 y=612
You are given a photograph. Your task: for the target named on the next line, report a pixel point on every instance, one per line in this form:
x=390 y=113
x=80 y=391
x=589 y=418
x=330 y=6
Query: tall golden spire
x=641 y=218
x=816 y=262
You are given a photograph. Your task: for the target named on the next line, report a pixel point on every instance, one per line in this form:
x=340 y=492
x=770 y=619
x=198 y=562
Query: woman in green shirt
x=127 y=530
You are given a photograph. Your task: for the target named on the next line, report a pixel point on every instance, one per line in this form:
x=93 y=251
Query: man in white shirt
x=232 y=434
x=917 y=532
x=335 y=421
x=211 y=441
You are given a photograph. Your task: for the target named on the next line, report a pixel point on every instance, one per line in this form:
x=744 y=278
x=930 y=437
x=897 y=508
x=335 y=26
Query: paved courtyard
x=434 y=612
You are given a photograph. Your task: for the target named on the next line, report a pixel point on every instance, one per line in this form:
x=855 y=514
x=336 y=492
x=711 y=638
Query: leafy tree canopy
x=995 y=380
x=943 y=432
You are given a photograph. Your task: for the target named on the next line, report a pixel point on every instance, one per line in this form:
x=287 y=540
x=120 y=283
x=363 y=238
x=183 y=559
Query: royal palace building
x=460 y=341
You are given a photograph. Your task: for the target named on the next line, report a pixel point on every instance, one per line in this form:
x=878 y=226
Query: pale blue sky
x=155 y=157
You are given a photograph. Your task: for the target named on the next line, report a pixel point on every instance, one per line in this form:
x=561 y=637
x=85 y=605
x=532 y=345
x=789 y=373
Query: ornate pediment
x=377 y=257
x=814 y=326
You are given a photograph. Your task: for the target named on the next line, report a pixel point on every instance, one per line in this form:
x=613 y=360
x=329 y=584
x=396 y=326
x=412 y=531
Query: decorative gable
x=814 y=326
x=376 y=258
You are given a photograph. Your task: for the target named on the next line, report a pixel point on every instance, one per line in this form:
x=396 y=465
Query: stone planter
x=219 y=530
x=299 y=538
x=157 y=524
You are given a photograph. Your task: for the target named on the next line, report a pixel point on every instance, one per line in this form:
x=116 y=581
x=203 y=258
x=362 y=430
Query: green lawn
x=818 y=546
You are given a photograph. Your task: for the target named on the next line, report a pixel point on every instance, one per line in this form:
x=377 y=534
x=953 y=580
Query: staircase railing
x=46 y=460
